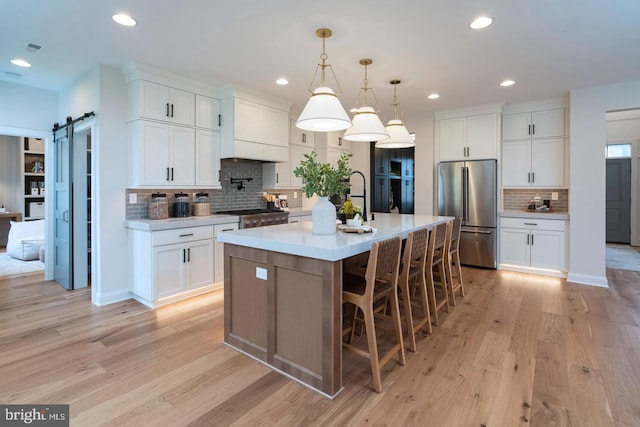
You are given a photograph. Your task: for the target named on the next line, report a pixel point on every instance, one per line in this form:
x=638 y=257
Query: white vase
x=323 y=217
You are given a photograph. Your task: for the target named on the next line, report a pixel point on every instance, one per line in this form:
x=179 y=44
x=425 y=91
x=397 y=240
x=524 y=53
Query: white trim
x=469 y=111
x=110 y=297
x=588 y=279
x=532 y=270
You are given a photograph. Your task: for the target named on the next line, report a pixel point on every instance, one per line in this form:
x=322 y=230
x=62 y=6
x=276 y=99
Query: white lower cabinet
x=170 y=265
x=538 y=245
x=219 y=249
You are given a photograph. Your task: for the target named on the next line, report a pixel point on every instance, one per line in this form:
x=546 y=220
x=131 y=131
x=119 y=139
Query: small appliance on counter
x=158 y=206
x=181 y=206
x=202 y=205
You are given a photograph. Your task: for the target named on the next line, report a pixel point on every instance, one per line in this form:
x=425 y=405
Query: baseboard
x=531 y=270
x=111 y=297
x=588 y=279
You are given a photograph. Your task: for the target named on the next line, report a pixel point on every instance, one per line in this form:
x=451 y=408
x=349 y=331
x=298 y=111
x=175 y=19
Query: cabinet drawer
x=224 y=227
x=179 y=235
x=533 y=223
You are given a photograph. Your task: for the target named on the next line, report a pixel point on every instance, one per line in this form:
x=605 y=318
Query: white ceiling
x=548 y=46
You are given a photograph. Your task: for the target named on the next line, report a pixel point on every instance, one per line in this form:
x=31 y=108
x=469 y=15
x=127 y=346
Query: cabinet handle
x=228 y=229
x=219 y=175
x=530 y=223
x=533 y=177
x=186 y=235
x=167 y=174
x=529 y=177
x=527 y=238
x=167 y=113
x=529 y=131
x=171 y=110
x=531 y=239
x=304 y=137
x=340 y=141
x=219 y=120
x=277 y=178
x=188 y=254
x=533 y=129
x=171 y=174
x=184 y=257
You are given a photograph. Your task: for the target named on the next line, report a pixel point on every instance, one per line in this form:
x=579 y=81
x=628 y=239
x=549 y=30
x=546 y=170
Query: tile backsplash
x=518 y=199
x=227 y=198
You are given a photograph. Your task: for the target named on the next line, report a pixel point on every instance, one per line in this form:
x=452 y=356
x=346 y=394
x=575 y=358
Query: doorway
x=618 y=199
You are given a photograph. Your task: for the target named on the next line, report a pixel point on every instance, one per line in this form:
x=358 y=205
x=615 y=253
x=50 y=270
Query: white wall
x=425 y=165
x=10 y=173
x=103 y=91
x=588 y=108
x=27 y=108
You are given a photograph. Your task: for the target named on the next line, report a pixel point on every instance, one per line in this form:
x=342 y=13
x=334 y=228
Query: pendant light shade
x=323 y=112
x=367 y=126
x=398 y=134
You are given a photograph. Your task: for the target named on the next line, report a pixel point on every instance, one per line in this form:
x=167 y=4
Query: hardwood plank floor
x=518 y=349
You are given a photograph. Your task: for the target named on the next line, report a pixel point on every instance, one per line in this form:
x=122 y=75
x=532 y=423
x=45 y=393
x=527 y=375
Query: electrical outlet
x=554 y=196
x=133 y=198
x=261 y=273
x=295 y=194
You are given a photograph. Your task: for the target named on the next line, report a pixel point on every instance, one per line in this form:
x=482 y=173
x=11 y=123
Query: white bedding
x=25 y=239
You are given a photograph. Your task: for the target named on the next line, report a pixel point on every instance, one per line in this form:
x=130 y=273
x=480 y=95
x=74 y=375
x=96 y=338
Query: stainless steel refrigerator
x=468 y=190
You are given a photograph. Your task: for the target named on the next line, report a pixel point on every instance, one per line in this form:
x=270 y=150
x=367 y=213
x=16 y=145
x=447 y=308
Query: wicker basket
x=202 y=209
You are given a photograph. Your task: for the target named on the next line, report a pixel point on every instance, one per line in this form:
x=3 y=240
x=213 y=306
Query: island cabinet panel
x=301 y=299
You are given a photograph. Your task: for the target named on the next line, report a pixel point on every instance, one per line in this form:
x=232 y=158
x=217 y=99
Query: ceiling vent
x=33 y=47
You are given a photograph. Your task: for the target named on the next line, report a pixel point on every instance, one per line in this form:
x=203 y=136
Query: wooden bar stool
x=452 y=262
x=379 y=283
x=413 y=285
x=435 y=264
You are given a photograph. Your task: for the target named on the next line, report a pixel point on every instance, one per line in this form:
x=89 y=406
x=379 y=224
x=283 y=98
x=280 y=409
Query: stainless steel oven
x=250 y=218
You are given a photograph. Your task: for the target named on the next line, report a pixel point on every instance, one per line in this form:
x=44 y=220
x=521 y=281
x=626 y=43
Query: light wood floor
x=517 y=350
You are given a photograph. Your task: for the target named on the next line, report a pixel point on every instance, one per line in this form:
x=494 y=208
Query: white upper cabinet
x=207 y=157
x=533 y=148
x=468 y=138
x=535 y=124
x=154 y=101
x=207 y=112
x=275 y=127
x=299 y=136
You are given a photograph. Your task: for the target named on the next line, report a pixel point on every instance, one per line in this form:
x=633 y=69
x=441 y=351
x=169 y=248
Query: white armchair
x=25 y=239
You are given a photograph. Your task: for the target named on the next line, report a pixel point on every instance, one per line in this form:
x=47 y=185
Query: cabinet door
x=299 y=136
x=276 y=175
x=408 y=163
x=181 y=107
x=154 y=101
x=199 y=265
x=219 y=251
x=381 y=156
x=207 y=157
x=547 y=162
x=452 y=141
x=547 y=250
x=516 y=126
x=182 y=156
x=516 y=163
x=207 y=112
x=406 y=201
x=275 y=130
x=168 y=270
x=381 y=194
x=547 y=123
x=297 y=155
x=335 y=140
x=333 y=155
x=247 y=120
x=514 y=246
x=482 y=136
x=153 y=154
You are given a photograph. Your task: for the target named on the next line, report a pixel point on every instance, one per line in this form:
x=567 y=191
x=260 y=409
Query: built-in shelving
x=33 y=161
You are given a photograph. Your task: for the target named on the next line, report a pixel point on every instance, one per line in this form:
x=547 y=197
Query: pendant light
x=366 y=123
x=323 y=112
x=398 y=135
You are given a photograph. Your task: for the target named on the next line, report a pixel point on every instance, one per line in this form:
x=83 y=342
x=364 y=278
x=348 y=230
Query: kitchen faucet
x=363 y=195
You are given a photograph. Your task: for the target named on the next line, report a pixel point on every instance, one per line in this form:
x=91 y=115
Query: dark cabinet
x=393 y=183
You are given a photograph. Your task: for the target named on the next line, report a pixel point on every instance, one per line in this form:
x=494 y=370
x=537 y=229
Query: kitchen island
x=283 y=293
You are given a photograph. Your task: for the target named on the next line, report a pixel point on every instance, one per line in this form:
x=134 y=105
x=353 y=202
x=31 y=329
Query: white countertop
x=171 y=223
x=538 y=215
x=299 y=212
x=297 y=239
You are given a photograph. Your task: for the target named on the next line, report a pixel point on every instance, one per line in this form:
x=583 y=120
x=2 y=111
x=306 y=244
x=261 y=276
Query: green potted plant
x=324 y=180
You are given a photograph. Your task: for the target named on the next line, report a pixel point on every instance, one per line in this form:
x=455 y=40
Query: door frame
x=635 y=186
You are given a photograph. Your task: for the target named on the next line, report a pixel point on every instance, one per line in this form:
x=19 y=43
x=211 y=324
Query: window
x=617 y=151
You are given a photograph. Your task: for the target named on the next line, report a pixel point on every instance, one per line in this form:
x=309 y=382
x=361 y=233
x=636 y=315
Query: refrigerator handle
x=465 y=194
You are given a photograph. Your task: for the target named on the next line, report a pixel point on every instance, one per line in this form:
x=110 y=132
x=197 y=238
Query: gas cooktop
x=249 y=211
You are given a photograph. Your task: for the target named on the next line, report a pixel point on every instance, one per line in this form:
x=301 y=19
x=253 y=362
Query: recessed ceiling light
x=20 y=62
x=282 y=81
x=480 y=22
x=507 y=83
x=125 y=20
x=433 y=96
